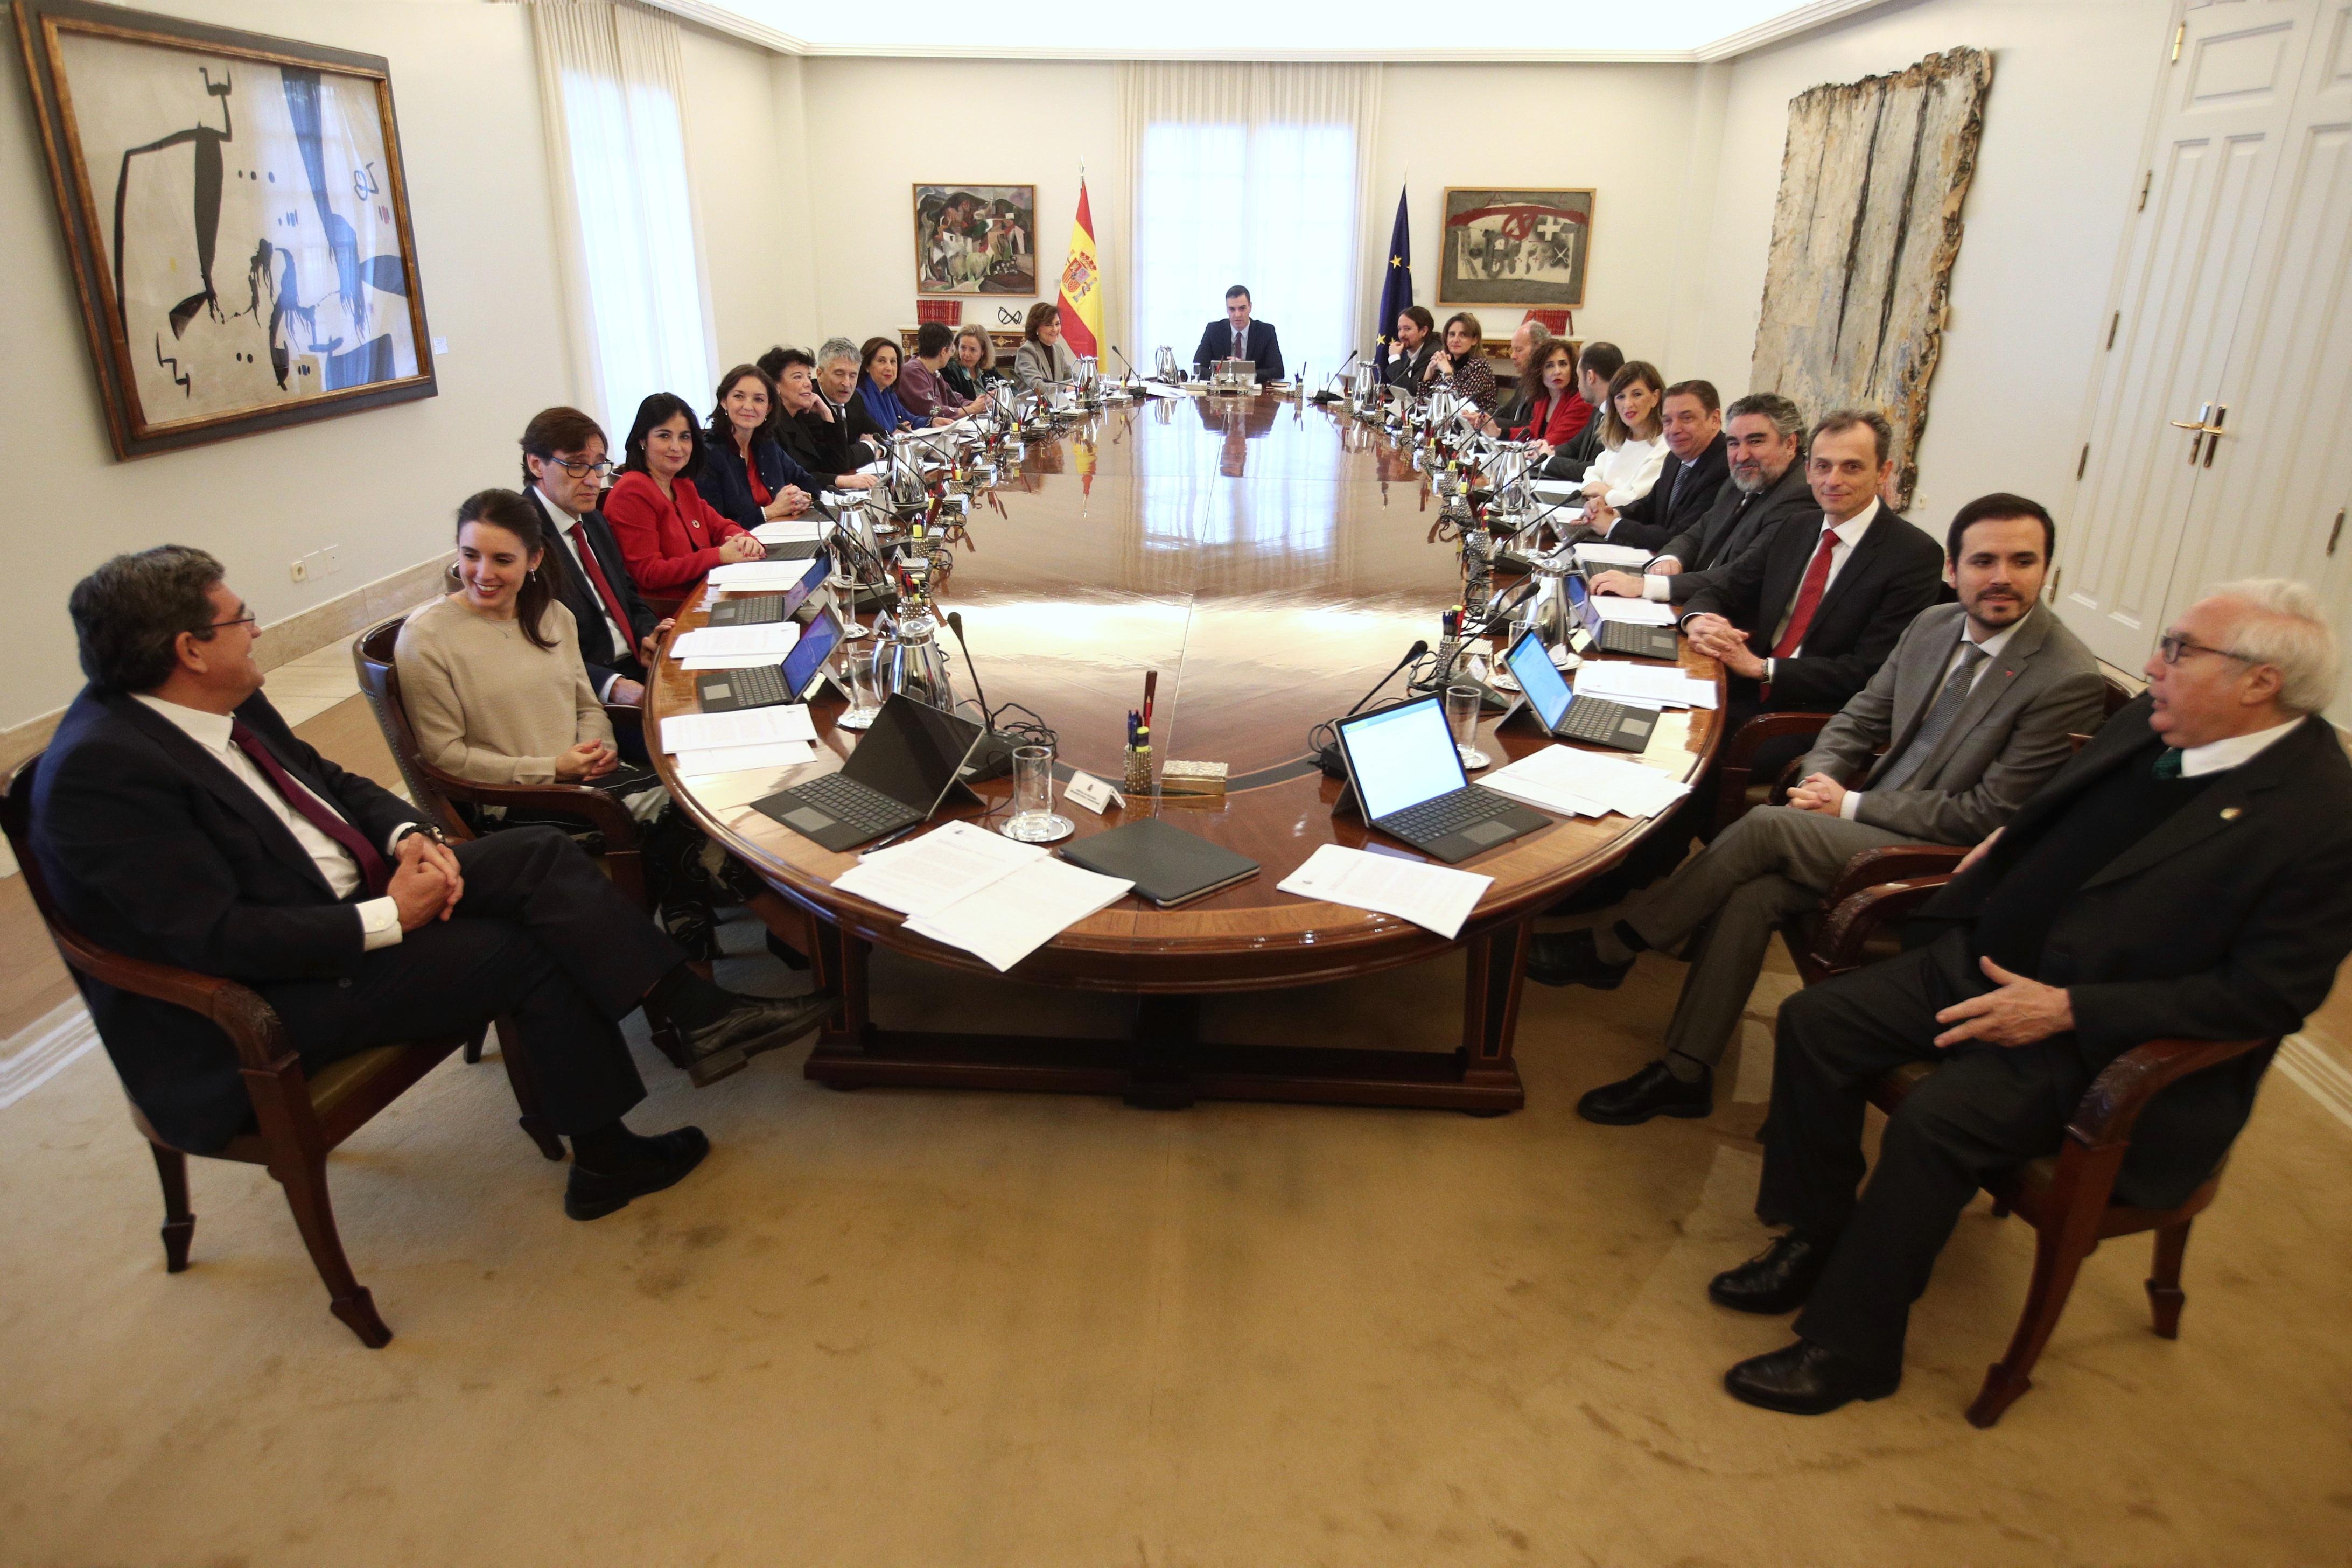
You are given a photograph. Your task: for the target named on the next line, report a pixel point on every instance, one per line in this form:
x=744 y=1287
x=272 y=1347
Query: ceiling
x=1685 y=31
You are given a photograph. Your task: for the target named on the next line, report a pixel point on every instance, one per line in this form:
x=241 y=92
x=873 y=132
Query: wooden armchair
x=1734 y=766
x=300 y=1116
x=2069 y=1196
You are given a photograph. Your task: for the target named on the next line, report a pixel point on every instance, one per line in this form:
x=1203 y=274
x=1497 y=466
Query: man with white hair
x=1528 y=344
x=2189 y=874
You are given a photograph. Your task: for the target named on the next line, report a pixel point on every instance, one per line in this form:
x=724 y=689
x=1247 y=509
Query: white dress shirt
x=379 y=918
x=1991 y=646
x=1629 y=470
x=562 y=522
x=2215 y=755
x=1848 y=535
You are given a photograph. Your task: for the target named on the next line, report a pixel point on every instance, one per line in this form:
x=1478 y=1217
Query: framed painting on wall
x=237 y=221
x=1515 y=247
x=976 y=239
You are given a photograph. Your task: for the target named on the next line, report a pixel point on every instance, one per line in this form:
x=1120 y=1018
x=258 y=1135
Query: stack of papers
x=736 y=647
x=965 y=886
x=770 y=737
x=1631 y=557
x=758 y=576
x=1435 y=897
x=1646 y=685
x=1584 y=784
x=1638 y=612
x=784 y=531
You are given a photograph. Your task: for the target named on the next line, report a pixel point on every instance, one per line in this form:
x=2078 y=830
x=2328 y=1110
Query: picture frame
x=181 y=153
x=1514 y=246
x=976 y=239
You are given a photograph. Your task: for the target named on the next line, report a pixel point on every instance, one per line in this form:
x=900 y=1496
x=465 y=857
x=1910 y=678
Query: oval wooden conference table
x=1270 y=560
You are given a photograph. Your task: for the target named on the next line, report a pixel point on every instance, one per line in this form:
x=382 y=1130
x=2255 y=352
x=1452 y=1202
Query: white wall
x=2056 y=177
x=740 y=130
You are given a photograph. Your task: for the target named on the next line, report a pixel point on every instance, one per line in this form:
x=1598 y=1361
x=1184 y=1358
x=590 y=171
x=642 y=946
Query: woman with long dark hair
x=668 y=534
x=747 y=476
x=877 y=384
x=1459 y=367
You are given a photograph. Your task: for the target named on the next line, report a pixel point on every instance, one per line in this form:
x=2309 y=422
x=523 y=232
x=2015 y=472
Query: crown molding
x=1788 y=24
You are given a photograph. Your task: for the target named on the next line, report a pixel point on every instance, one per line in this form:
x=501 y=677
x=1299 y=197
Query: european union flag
x=1396 y=294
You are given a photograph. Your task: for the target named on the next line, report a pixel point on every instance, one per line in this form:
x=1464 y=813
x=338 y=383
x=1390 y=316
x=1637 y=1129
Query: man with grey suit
x=1972 y=711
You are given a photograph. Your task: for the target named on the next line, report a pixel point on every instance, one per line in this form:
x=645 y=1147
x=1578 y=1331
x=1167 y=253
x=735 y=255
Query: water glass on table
x=862 y=678
x=1461 y=717
x=1033 y=819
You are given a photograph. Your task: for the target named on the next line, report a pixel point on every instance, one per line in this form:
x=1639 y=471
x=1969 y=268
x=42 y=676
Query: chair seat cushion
x=339 y=1079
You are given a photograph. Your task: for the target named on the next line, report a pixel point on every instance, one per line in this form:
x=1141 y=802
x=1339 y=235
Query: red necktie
x=373 y=873
x=1809 y=598
x=589 y=564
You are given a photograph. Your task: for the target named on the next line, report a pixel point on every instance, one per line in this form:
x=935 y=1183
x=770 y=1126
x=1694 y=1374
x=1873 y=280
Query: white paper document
x=1435 y=897
x=1631 y=557
x=730 y=661
x=1014 y=916
x=1590 y=785
x=745 y=727
x=773 y=639
x=786 y=531
x=755 y=577
x=925 y=875
x=1557 y=490
x=768 y=754
x=1638 y=612
x=1654 y=685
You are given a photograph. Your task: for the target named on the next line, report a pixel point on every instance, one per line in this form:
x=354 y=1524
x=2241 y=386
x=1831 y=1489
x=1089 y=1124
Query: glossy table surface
x=1270 y=560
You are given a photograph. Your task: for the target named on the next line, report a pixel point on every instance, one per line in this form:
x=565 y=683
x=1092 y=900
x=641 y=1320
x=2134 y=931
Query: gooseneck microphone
x=993 y=755
x=1327 y=752
x=955 y=625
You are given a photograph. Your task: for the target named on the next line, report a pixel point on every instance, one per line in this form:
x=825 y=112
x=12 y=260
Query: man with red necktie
x=181 y=821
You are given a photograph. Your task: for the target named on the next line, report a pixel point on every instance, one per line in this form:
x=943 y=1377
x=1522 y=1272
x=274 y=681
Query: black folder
x=1167 y=866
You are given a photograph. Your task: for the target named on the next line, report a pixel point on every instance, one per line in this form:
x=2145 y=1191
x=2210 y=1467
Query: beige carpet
x=903 y=1329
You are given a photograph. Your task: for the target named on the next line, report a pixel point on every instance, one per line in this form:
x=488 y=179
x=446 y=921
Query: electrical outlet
x=330 y=560
x=301 y=569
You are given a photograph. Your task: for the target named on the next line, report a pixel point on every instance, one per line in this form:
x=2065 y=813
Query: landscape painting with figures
x=1515 y=247
x=976 y=239
x=245 y=248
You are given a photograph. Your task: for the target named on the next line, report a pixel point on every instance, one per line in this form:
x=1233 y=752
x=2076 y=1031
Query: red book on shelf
x=950 y=311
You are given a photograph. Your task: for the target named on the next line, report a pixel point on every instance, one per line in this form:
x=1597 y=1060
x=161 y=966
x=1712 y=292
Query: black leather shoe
x=753 y=1025
x=1806 y=1379
x=592 y=1194
x=1776 y=1280
x=1569 y=958
x=1652 y=1091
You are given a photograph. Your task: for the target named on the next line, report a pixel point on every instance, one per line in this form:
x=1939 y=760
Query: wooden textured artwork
x=1864 y=238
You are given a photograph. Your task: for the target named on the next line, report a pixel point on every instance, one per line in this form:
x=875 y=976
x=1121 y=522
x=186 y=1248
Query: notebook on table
x=1568 y=716
x=1167 y=866
x=1408 y=777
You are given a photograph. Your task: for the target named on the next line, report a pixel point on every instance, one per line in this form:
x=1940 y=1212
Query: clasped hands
x=1720 y=640
x=426 y=883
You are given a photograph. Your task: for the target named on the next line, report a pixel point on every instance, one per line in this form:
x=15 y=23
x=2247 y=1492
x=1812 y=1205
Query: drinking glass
x=859 y=674
x=1033 y=820
x=1461 y=717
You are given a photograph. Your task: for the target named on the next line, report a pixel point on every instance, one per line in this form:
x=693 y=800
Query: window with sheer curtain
x=1255 y=175
x=611 y=90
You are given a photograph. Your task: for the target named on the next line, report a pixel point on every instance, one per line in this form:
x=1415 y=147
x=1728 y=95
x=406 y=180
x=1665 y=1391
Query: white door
x=2222 y=113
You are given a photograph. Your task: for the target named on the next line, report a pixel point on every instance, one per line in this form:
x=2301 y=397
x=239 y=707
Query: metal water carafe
x=913 y=662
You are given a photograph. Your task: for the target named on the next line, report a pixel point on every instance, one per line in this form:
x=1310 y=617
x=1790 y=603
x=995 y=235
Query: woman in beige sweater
x=495 y=689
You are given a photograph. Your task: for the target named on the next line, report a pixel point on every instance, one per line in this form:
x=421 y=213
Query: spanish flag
x=1081 y=300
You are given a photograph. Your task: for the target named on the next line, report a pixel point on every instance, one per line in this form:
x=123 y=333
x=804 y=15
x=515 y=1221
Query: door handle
x=2213 y=433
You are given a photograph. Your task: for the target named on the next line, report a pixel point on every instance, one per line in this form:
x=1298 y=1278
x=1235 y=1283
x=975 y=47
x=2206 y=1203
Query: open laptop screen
x=805 y=663
x=1579 y=603
x=1546 y=690
x=912 y=752
x=819 y=564
x=1401 y=756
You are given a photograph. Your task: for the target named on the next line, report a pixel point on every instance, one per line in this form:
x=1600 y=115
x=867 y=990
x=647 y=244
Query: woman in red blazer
x=1557 y=413
x=668 y=534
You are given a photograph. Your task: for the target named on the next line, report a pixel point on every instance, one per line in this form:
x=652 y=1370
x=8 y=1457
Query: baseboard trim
x=282 y=642
x=2318 y=1075
x=44 y=1049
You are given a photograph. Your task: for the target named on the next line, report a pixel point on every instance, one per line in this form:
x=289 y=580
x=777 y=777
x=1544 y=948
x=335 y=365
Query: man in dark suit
x=2186 y=875
x=1238 y=336
x=1764 y=441
x=1416 y=341
x=1970 y=716
x=564 y=470
x=182 y=822
x=1596 y=366
x=1529 y=340
x=1696 y=464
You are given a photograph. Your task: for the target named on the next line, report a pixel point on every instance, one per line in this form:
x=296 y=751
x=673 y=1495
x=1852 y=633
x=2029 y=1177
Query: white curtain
x=1255 y=175
x=612 y=95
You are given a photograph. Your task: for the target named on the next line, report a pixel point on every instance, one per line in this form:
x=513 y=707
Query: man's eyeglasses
x=581 y=469
x=2171 y=646
x=246 y=619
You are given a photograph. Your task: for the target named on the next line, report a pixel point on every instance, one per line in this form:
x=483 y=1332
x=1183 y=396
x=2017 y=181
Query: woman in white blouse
x=1633 y=442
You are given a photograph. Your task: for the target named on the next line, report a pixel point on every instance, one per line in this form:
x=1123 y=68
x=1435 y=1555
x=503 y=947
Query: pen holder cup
x=1138 y=772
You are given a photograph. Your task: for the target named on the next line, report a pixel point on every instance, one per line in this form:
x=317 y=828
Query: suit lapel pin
x=2230 y=813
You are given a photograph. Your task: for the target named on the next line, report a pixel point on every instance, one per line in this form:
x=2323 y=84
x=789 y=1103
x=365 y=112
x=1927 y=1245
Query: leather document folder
x=1167 y=866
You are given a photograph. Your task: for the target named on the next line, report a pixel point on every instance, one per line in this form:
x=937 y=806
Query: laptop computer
x=794 y=680
x=1617 y=637
x=903 y=767
x=1565 y=714
x=1408 y=778
x=762 y=609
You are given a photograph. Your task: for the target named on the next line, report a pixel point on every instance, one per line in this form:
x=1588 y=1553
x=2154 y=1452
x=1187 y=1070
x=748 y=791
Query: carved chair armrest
x=1894 y=863
x=250 y=1023
x=1853 y=921
x=2123 y=1089
x=1737 y=760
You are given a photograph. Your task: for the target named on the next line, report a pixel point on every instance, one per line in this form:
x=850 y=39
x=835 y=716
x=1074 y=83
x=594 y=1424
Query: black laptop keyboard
x=1623 y=636
x=1443 y=814
x=861 y=806
x=1590 y=718
x=748 y=610
x=762 y=687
